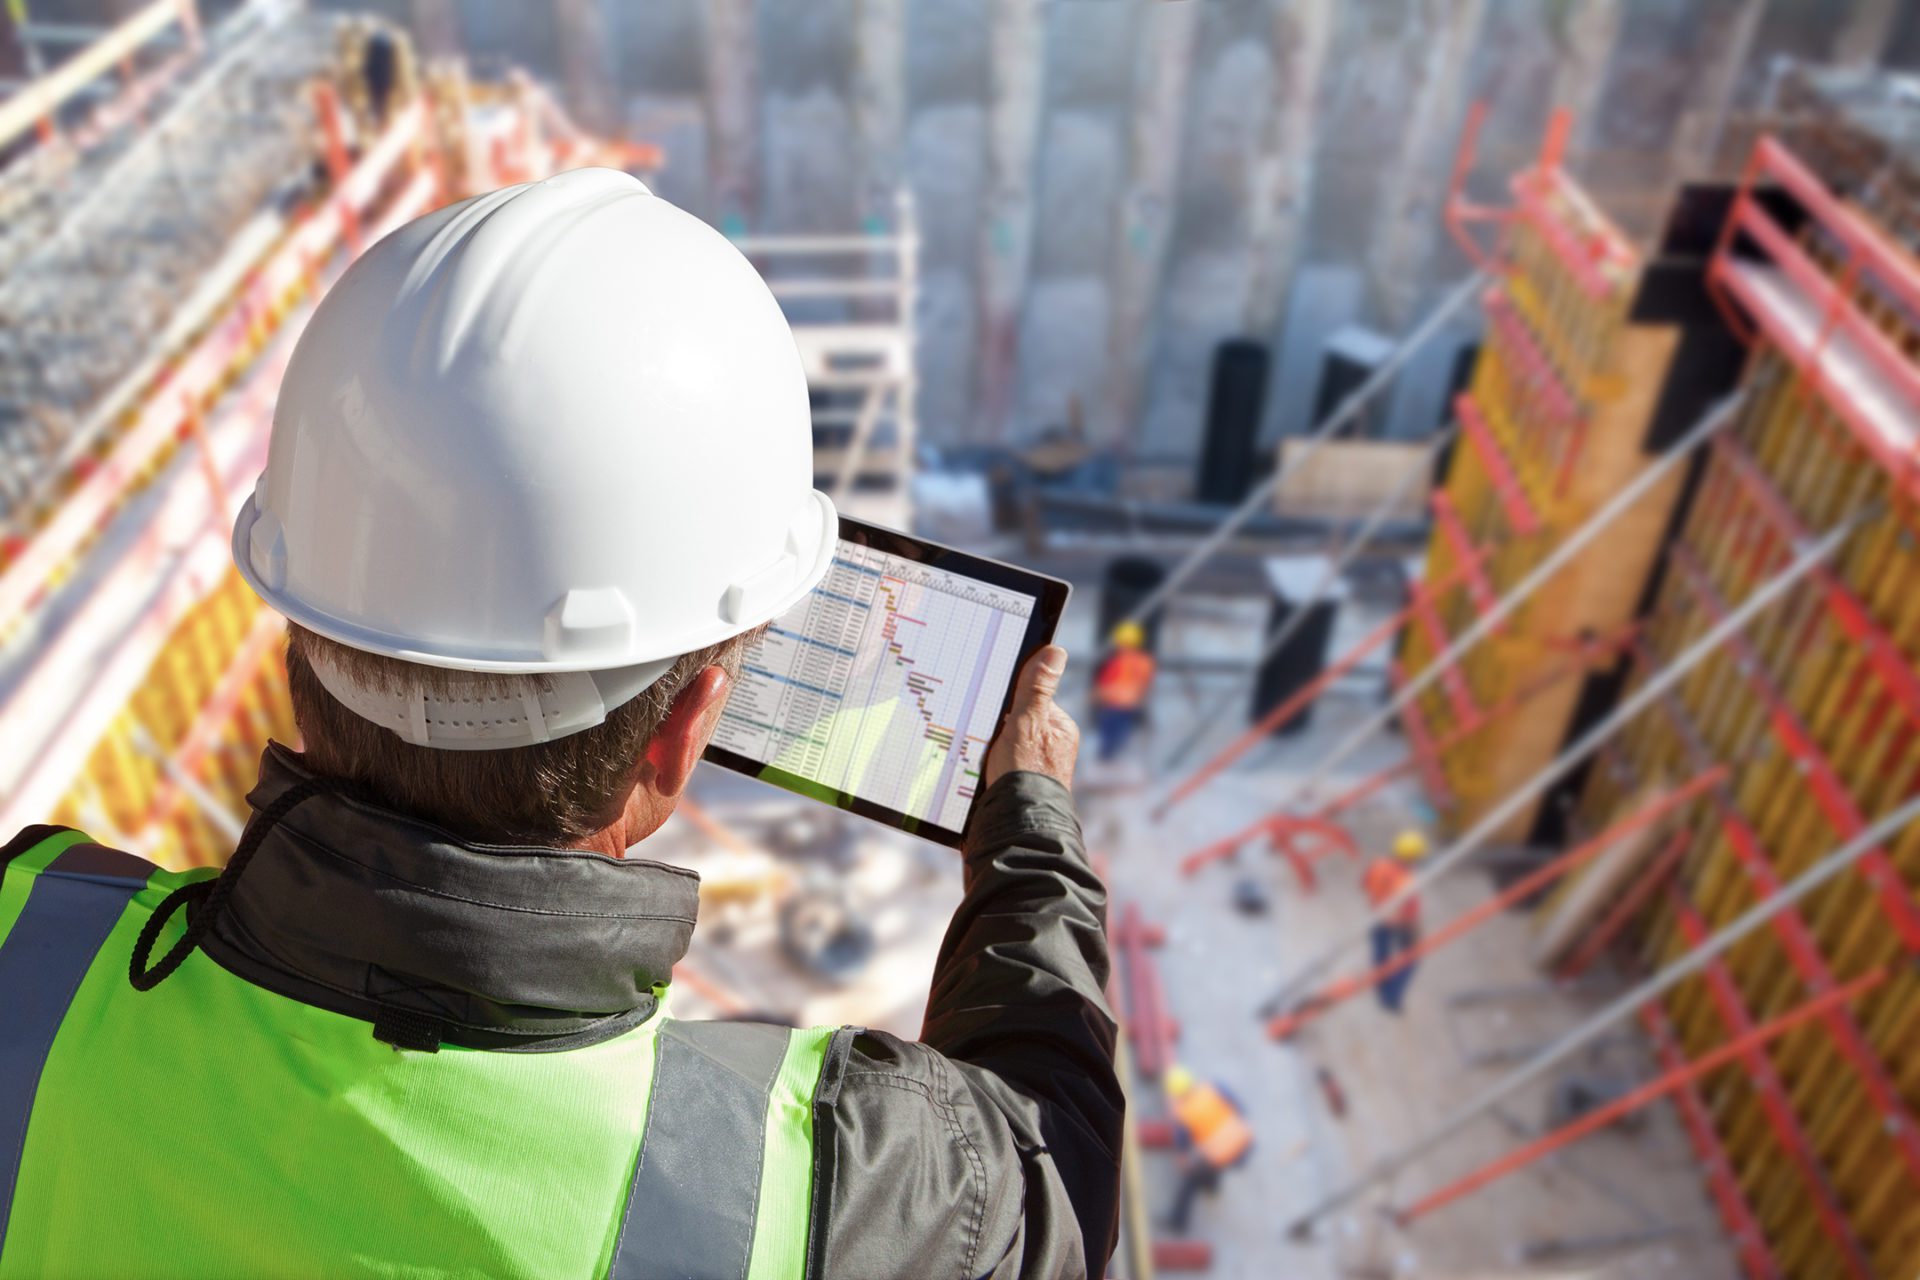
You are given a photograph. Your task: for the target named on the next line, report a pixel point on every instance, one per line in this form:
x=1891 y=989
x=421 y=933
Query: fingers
x=1040 y=678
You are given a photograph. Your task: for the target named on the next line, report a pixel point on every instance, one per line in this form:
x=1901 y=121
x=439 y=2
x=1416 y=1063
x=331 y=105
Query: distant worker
x=1400 y=931
x=1120 y=689
x=541 y=467
x=1212 y=1134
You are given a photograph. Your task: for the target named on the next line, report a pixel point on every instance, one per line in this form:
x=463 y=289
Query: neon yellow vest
x=209 y=1127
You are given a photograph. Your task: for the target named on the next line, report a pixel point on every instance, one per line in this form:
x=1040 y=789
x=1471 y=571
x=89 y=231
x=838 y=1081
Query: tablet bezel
x=1050 y=595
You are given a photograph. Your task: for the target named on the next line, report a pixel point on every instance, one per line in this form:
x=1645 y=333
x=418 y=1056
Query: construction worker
x=1399 y=932
x=1213 y=1136
x=1120 y=689
x=540 y=466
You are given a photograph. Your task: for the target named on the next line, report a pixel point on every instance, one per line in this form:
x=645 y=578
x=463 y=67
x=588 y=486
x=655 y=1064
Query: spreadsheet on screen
x=885 y=683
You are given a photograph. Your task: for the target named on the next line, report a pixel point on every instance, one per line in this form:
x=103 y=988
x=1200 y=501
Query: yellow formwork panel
x=212 y=698
x=1799 y=672
x=1565 y=388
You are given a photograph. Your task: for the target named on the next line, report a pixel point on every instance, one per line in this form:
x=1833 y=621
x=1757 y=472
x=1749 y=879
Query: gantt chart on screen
x=884 y=683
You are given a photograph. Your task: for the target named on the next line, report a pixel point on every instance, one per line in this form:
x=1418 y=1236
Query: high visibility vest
x=210 y=1127
x=1124 y=680
x=1385 y=877
x=1219 y=1133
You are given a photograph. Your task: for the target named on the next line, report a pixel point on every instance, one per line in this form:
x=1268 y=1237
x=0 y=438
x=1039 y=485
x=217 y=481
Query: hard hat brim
x=431 y=653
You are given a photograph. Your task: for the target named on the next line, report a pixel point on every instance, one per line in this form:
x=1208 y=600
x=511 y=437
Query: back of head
x=532 y=451
x=552 y=794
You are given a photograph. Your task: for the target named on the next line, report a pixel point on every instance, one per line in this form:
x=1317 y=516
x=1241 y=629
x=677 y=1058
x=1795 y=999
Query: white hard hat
x=559 y=428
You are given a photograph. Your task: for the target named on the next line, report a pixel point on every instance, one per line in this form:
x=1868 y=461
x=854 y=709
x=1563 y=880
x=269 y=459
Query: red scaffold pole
x=1645 y=884
x=1306 y=693
x=1314 y=1005
x=1591 y=652
x=1652 y=1091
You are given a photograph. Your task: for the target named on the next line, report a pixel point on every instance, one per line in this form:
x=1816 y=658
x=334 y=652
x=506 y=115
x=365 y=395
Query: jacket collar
x=372 y=914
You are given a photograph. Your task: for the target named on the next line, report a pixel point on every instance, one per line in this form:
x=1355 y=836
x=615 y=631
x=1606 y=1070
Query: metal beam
x=1350 y=549
x=1750 y=1041
x=1576 y=542
x=1466 y=292
x=1764 y=596
x=1820 y=873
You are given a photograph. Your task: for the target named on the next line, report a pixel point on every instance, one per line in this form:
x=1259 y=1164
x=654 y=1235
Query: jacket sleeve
x=991 y=1146
x=1019 y=995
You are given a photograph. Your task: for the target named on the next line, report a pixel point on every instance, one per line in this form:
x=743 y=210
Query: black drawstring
x=206 y=899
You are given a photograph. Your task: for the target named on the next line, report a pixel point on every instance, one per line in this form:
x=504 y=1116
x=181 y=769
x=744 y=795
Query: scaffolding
x=139 y=678
x=1734 y=537
x=110 y=271
x=1569 y=410
x=852 y=300
x=1817 y=1129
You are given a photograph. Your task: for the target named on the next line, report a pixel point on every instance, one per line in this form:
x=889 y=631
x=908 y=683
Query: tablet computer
x=880 y=691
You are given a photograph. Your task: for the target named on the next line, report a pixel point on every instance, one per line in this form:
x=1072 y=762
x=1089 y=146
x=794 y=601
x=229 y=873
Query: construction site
x=1499 y=422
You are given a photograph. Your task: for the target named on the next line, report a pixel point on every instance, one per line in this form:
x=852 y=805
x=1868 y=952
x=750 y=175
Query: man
x=1213 y=1137
x=1399 y=932
x=541 y=466
x=1120 y=689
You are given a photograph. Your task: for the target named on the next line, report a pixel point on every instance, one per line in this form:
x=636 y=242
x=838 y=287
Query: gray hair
x=549 y=794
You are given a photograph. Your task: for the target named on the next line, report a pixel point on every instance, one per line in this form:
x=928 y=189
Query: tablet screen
x=884 y=685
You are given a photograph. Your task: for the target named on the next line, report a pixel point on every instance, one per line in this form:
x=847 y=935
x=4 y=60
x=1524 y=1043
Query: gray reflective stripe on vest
x=69 y=912
x=696 y=1187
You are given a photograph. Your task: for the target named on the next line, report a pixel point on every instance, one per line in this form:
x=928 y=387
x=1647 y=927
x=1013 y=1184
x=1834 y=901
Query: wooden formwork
x=1556 y=421
x=1815 y=710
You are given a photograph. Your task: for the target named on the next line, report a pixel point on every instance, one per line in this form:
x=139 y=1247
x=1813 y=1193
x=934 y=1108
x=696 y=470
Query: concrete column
x=1862 y=39
x=1716 y=80
x=1016 y=39
x=436 y=25
x=879 y=98
x=1281 y=193
x=733 y=110
x=1589 y=37
x=1163 y=61
x=1409 y=216
x=584 y=60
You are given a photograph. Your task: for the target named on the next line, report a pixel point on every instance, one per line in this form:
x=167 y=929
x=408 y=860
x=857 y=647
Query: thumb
x=1040 y=678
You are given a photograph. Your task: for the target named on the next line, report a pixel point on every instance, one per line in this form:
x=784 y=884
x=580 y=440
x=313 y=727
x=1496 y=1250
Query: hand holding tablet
x=882 y=690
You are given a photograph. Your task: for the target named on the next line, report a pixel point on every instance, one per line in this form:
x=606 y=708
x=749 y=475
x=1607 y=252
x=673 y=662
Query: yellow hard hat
x=1410 y=845
x=1129 y=635
x=1178 y=1080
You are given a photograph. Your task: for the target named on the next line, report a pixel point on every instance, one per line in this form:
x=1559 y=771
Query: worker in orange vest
x=1383 y=879
x=1212 y=1133
x=1120 y=689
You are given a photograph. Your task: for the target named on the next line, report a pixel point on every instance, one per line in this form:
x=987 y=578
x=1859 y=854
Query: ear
x=676 y=746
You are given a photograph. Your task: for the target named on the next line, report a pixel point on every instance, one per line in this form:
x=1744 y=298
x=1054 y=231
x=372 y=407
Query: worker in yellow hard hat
x=1384 y=880
x=1211 y=1132
x=1120 y=689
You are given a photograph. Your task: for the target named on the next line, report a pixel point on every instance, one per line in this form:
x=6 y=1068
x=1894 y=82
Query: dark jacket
x=990 y=1147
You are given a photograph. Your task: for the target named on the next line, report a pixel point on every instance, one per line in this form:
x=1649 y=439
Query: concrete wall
x=1107 y=188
